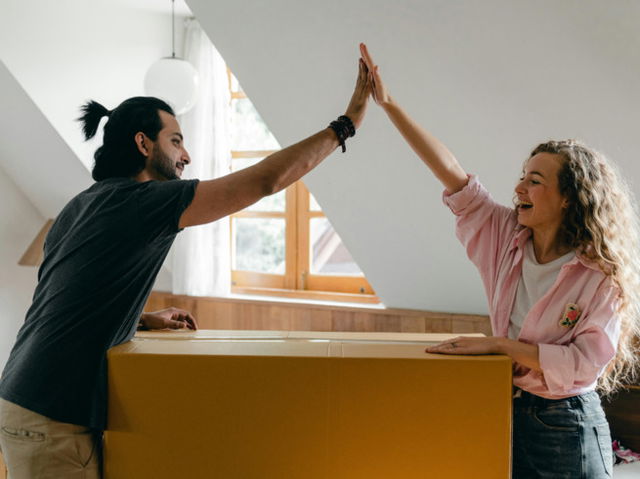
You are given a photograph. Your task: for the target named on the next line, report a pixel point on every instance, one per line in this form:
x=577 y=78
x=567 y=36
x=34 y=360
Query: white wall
x=68 y=51
x=19 y=224
x=491 y=79
x=33 y=154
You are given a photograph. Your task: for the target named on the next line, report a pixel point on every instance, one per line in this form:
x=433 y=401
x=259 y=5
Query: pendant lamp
x=173 y=79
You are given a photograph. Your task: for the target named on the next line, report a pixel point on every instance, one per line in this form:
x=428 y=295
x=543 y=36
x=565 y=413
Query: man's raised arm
x=215 y=199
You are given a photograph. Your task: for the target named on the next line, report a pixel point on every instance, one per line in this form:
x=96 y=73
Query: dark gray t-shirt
x=101 y=258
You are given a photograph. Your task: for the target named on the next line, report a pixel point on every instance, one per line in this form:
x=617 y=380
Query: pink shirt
x=572 y=357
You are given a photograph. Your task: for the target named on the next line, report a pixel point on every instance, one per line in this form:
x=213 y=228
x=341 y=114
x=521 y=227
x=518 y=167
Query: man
x=101 y=258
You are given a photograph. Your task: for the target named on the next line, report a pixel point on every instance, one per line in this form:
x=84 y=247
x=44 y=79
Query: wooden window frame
x=297 y=280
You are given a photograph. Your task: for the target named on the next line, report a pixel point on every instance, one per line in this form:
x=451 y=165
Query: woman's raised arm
x=433 y=152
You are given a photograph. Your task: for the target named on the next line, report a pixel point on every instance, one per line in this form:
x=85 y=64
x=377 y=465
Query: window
x=284 y=244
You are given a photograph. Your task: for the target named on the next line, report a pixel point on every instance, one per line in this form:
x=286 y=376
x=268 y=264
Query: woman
x=561 y=275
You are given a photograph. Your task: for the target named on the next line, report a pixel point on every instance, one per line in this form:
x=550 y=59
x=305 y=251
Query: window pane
x=270 y=203
x=328 y=253
x=259 y=245
x=313 y=204
x=248 y=131
x=235 y=86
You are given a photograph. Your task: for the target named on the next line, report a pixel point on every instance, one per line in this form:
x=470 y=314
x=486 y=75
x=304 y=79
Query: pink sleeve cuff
x=558 y=367
x=459 y=200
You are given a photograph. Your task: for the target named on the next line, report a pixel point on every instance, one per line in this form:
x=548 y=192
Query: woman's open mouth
x=524 y=205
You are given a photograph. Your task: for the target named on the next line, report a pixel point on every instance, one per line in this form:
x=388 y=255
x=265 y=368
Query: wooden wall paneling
x=276 y=318
x=318 y=320
x=462 y=326
x=437 y=325
x=235 y=313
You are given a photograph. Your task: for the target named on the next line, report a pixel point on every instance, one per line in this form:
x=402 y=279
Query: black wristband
x=347 y=121
x=343 y=127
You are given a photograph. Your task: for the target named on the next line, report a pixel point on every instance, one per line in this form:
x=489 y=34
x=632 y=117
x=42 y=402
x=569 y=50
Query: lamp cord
x=173 y=26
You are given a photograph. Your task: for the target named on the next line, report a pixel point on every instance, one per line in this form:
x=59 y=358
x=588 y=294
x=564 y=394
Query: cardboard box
x=259 y=404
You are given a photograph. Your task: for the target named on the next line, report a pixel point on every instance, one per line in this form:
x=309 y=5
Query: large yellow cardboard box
x=243 y=405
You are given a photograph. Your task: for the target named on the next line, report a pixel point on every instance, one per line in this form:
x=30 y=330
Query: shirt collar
x=522 y=236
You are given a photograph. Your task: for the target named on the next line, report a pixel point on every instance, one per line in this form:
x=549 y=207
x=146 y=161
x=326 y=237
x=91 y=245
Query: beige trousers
x=36 y=447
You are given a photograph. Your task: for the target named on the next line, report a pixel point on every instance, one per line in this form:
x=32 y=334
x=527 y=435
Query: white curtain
x=201 y=254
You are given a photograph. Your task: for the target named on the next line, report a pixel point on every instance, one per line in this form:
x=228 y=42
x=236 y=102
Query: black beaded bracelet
x=344 y=128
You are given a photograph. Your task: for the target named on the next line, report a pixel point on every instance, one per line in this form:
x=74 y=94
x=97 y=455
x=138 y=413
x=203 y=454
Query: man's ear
x=142 y=143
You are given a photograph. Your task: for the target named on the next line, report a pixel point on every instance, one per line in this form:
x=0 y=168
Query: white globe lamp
x=173 y=79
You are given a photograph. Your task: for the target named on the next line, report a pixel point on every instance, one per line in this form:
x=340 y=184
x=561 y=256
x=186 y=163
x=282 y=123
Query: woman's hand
x=170 y=318
x=358 y=104
x=467 y=345
x=522 y=353
x=379 y=90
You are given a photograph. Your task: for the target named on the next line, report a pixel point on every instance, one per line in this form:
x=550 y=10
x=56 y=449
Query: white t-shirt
x=535 y=281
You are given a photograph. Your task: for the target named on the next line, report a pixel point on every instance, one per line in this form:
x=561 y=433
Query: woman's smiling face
x=540 y=205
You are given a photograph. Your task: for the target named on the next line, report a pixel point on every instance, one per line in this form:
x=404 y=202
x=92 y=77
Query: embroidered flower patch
x=571 y=316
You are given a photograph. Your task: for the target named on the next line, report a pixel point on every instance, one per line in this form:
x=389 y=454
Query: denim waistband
x=528 y=399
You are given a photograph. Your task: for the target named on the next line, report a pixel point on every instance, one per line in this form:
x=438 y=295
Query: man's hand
x=170 y=318
x=358 y=104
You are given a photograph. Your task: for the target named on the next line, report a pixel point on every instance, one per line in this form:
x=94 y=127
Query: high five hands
x=378 y=89
x=368 y=83
x=358 y=104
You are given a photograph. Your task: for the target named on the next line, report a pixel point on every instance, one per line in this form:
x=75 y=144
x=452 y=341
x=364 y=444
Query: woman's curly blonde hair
x=601 y=223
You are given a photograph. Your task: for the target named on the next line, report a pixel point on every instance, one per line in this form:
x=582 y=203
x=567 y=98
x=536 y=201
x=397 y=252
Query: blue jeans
x=564 y=438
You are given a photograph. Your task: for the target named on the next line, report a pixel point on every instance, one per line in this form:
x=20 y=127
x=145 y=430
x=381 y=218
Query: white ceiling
x=33 y=154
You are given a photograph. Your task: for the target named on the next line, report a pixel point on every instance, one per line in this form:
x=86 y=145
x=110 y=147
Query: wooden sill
x=306 y=294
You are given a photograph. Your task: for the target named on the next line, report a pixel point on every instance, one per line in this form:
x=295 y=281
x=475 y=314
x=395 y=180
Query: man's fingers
x=186 y=318
x=173 y=324
x=191 y=321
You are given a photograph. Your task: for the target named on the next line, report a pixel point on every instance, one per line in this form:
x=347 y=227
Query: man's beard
x=163 y=165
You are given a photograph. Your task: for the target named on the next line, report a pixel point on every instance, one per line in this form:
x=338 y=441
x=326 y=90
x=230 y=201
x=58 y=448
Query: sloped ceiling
x=33 y=154
x=492 y=79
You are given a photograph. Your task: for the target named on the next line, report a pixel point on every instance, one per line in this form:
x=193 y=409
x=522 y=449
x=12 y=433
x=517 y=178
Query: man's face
x=168 y=156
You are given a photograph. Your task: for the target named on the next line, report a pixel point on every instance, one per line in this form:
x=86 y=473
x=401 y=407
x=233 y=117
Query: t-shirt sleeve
x=160 y=205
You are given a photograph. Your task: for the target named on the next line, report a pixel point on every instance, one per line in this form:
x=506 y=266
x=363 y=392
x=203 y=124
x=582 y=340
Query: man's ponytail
x=92 y=112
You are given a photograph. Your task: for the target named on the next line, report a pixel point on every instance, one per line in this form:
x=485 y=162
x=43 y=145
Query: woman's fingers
x=367 y=57
x=450 y=346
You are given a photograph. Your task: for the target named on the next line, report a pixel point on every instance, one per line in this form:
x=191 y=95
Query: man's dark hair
x=119 y=156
